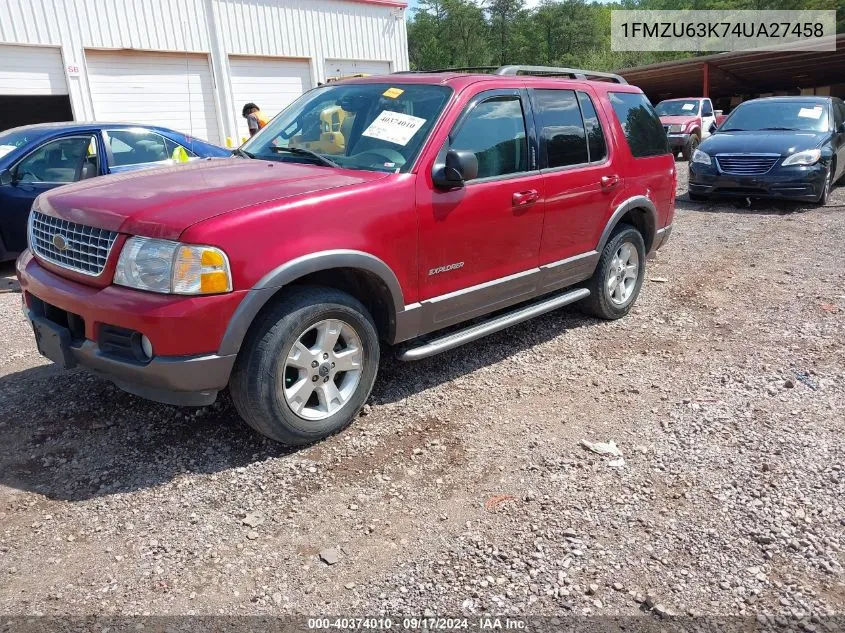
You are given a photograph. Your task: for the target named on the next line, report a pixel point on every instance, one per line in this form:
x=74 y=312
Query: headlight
x=807 y=157
x=171 y=267
x=700 y=157
x=675 y=128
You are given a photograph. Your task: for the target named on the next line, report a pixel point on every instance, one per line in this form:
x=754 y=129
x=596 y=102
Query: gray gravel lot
x=463 y=488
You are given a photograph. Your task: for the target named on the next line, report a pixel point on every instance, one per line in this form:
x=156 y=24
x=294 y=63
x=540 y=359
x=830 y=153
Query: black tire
x=600 y=303
x=259 y=375
x=697 y=197
x=689 y=149
x=828 y=185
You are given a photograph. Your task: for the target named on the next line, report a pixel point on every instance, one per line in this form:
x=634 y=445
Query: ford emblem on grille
x=60 y=242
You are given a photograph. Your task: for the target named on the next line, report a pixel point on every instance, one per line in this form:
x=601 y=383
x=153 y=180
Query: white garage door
x=271 y=84
x=168 y=89
x=344 y=67
x=31 y=70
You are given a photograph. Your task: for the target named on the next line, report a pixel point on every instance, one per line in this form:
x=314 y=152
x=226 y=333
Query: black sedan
x=776 y=147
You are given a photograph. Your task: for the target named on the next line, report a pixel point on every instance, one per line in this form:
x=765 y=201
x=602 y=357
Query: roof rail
x=463 y=69
x=551 y=71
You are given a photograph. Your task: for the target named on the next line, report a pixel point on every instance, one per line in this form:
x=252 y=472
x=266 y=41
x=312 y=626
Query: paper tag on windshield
x=394 y=127
x=688 y=106
x=5 y=149
x=392 y=93
x=811 y=113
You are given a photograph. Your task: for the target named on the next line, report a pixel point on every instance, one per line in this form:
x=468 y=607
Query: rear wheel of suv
x=307 y=367
x=618 y=277
x=689 y=149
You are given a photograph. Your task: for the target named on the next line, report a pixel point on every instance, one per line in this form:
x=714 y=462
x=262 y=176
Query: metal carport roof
x=740 y=72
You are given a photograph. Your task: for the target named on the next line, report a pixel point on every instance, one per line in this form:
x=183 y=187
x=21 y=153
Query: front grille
x=86 y=249
x=746 y=164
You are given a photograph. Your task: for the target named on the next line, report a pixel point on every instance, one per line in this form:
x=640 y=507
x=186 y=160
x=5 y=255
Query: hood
x=674 y=120
x=164 y=202
x=766 y=142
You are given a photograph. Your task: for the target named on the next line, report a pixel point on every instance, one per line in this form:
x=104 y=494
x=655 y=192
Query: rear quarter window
x=640 y=122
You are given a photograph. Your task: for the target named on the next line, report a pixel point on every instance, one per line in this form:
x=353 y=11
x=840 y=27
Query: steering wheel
x=19 y=177
x=389 y=155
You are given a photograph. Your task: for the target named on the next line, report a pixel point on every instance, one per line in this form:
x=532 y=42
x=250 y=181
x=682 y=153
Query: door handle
x=525 y=198
x=608 y=182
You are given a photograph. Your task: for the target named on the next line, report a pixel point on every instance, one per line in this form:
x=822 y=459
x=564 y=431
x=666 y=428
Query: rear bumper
x=787 y=183
x=185 y=333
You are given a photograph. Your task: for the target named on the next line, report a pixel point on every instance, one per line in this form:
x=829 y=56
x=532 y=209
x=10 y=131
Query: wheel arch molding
x=304 y=267
x=641 y=213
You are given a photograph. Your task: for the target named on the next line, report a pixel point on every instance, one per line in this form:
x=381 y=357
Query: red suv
x=417 y=210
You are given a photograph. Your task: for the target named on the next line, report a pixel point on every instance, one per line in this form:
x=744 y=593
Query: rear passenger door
x=579 y=180
x=708 y=118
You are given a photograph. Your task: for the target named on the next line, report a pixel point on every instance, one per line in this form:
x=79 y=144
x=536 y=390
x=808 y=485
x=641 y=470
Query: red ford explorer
x=422 y=211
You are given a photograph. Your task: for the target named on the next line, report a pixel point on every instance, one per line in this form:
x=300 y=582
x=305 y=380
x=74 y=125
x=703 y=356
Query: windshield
x=13 y=139
x=678 y=107
x=377 y=127
x=805 y=116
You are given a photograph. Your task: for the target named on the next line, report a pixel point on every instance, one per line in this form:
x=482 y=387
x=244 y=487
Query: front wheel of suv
x=619 y=275
x=307 y=367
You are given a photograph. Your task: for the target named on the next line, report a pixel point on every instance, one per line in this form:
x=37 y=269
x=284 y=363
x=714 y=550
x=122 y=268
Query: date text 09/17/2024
x=484 y=623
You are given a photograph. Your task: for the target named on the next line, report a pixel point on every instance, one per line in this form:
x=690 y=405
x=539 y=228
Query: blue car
x=35 y=158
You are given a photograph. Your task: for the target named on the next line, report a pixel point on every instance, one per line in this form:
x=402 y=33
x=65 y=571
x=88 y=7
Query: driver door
x=52 y=164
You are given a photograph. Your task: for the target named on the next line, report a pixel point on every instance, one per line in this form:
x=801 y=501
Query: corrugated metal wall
x=305 y=29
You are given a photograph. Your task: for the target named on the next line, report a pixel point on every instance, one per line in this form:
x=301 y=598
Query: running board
x=461 y=337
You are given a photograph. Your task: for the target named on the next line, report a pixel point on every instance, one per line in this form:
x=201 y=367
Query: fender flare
x=636 y=202
x=289 y=272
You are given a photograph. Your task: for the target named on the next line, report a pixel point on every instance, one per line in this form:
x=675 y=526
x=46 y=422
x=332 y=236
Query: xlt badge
x=445 y=269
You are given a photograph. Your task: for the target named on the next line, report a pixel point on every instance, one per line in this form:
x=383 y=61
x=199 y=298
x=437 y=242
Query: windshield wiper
x=787 y=129
x=733 y=129
x=299 y=151
x=243 y=153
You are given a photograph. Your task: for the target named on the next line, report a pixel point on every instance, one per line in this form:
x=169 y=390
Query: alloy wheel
x=322 y=369
x=622 y=273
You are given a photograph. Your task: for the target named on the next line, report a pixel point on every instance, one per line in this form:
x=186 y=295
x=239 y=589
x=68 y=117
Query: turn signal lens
x=200 y=270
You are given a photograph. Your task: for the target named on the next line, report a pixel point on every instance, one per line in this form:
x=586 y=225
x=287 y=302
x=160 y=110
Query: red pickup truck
x=687 y=122
x=416 y=211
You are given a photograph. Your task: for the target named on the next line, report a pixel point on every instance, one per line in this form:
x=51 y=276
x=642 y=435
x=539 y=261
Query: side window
x=563 y=140
x=178 y=153
x=838 y=115
x=595 y=135
x=135 y=147
x=495 y=132
x=707 y=108
x=60 y=161
x=640 y=123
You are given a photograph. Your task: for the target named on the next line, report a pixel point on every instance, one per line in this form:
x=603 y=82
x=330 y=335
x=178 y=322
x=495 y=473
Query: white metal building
x=185 y=64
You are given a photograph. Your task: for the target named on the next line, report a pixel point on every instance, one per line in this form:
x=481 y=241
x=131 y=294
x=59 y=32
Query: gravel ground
x=464 y=487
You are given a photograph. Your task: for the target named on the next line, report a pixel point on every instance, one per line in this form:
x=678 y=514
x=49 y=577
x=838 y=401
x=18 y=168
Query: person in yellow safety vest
x=255 y=118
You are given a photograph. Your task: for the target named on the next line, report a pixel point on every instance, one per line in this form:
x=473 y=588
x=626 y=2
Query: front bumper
x=802 y=183
x=69 y=320
x=677 y=142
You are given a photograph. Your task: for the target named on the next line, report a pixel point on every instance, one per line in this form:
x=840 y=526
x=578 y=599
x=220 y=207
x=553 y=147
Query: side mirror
x=6 y=178
x=842 y=128
x=459 y=166
x=713 y=127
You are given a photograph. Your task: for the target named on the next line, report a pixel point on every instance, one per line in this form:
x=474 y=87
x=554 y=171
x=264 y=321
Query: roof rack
x=551 y=71
x=462 y=69
x=541 y=71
